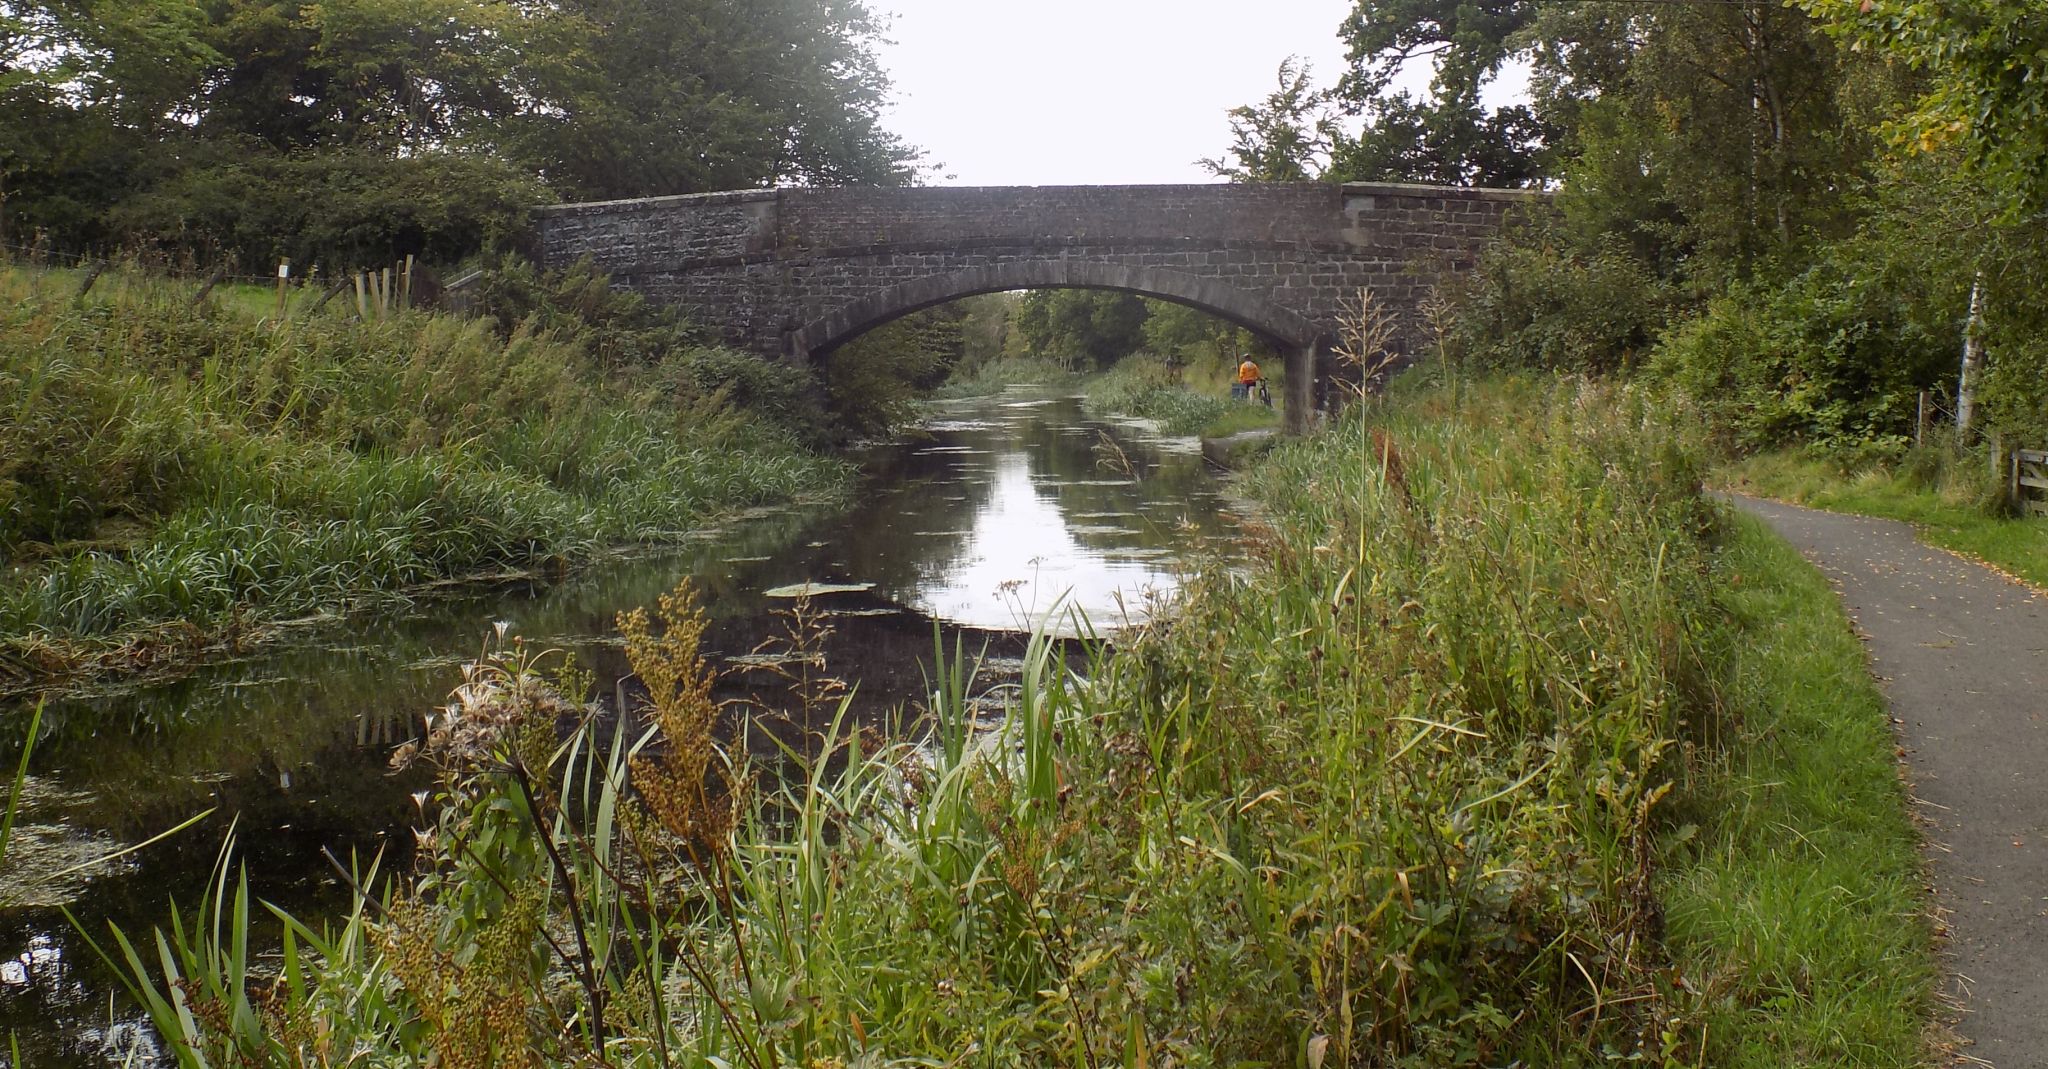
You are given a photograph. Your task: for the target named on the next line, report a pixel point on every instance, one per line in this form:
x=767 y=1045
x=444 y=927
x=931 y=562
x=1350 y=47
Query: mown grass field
x=1500 y=745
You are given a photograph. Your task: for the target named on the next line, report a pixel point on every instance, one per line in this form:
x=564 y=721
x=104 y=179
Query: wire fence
x=378 y=291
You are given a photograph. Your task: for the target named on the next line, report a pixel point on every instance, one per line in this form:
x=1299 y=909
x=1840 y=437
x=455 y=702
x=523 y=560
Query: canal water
x=996 y=516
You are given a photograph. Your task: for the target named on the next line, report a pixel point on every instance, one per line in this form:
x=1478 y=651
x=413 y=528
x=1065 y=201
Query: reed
x=165 y=466
x=1141 y=386
x=1407 y=784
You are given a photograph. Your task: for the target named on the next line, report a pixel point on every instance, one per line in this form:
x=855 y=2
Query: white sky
x=1056 y=92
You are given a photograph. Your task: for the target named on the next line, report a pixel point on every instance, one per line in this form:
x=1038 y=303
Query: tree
x=1985 y=64
x=678 y=96
x=133 y=120
x=1447 y=137
x=1285 y=138
x=1095 y=328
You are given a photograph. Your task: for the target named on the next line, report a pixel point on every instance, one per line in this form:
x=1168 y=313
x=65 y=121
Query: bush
x=872 y=383
x=1144 y=387
x=1533 y=305
x=338 y=208
x=1826 y=359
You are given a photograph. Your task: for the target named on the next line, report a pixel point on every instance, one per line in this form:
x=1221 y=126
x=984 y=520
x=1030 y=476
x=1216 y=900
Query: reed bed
x=170 y=472
x=1401 y=787
x=1144 y=387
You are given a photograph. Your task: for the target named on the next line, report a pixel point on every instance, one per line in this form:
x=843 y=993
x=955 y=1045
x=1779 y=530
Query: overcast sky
x=1053 y=92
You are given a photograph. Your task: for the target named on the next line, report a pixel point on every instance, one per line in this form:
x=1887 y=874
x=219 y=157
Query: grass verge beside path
x=1942 y=496
x=1796 y=909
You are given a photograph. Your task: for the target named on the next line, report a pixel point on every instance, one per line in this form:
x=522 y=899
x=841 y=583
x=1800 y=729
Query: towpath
x=1963 y=654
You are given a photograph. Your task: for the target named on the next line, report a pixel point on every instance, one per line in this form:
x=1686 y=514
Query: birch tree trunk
x=1973 y=361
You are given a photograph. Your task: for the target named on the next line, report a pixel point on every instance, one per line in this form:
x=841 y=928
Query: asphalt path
x=1962 y=652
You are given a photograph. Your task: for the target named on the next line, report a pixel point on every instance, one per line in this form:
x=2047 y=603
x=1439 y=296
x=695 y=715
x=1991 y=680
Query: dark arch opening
x=1286 y=330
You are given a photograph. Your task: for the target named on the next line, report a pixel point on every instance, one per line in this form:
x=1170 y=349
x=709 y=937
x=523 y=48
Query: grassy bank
x=1793 y=896
x=174 y=477
x=1951 y=499
x=996 y=376
x=1489 y=752
x=1191 y=401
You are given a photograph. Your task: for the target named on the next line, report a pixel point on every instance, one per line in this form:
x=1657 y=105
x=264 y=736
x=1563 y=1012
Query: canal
x=995 y=516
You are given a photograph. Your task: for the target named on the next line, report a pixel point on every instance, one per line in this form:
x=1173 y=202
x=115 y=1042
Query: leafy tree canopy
x=1985 y=90
x=138 y=121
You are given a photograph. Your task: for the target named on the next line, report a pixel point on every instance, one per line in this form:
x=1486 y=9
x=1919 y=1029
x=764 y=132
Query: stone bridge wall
x=796 y=272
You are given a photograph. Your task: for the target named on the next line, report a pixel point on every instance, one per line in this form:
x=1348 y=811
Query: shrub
x=1532 y=304
x=339 y=208
x=1827 y=358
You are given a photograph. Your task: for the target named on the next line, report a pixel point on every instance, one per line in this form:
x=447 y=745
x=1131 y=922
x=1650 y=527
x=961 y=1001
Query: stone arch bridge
x=794 y=273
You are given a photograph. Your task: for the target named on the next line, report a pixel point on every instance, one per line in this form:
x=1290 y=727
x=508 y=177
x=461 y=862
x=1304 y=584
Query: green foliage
x=1446 y=137
x=1839 y=352
x=350 y=132
x=1724 y=204
x=677 y=96
x=339 y=208
x=1145 y=387
x=1829 y=358
x=1531 y=304
x=873 y=383
x=1984 y=82
x=167 y=463
x=1471 y=762
x=1190 y=336
x=1079 y=328
x=1285 y=138
x=1390 y=791
x=996 y=376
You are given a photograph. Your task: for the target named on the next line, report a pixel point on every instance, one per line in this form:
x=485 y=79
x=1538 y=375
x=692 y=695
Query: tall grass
x=1393 y=790
x=163 y=464
x=987 y=380
x=1144 y=387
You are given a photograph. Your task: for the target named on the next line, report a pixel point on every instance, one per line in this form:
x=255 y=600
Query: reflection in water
x=998 y=511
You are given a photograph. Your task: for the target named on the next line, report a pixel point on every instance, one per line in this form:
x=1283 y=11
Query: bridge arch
x=1285 y=329
x=796 y=272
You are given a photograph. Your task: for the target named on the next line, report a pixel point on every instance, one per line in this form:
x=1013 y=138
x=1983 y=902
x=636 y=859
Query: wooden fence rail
x=2029 y=482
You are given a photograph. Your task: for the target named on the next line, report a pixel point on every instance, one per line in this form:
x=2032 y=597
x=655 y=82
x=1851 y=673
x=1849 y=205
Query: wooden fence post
x=362 y=299
x=206 y=287
x=1920 y=422
x=92 y=275
x=1998 y=458
x=405 y=287
x=339 y=285
x=284 y=274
